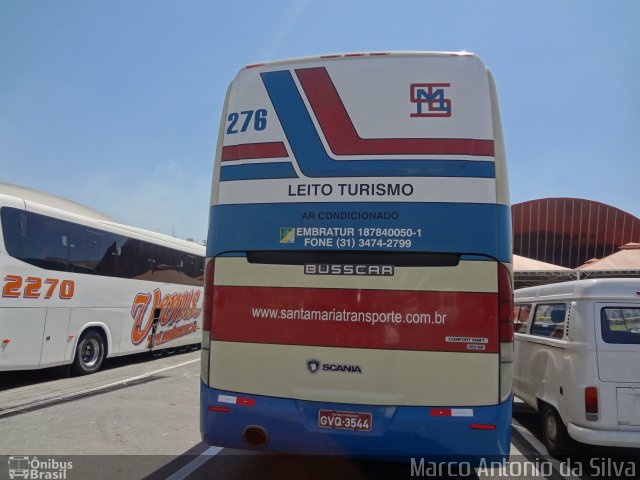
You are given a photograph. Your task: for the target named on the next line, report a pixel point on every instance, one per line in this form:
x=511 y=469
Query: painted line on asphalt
x=28 y=407
x=541 y=450
x=195 y=464
x=537 y=445
x=137 y=377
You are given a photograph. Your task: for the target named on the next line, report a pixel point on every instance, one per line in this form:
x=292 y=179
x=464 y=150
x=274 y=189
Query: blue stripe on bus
x=397 y=432
x=472 y=229
x=314 y=161
x=257 y=171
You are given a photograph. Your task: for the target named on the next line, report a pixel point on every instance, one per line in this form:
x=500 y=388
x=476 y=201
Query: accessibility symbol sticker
x=287 y=235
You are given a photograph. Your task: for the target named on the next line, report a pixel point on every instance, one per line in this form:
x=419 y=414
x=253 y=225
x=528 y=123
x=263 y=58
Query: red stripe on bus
x=249 y=151
x=277 y=316
x=343 y=138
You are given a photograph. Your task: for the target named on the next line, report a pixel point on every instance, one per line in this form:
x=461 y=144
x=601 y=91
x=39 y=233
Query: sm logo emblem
x=430 y=99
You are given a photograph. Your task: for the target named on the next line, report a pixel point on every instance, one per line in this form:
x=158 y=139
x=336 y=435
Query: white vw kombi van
x=577 y=360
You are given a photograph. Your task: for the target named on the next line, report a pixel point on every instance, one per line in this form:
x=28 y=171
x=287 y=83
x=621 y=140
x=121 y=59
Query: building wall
x=570 y=231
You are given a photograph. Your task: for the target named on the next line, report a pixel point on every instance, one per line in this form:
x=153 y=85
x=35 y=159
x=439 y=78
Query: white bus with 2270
x=77 y=287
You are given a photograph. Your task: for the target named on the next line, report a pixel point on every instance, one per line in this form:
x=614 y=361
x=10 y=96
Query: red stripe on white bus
x=376 y=319
x=250 y=151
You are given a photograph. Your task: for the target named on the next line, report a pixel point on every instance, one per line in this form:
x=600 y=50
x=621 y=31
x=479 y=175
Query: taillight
x=214 y=408
x=482 y=426
x=208 y=296
x=505 y=325
x=505 y=304
x=591 y=403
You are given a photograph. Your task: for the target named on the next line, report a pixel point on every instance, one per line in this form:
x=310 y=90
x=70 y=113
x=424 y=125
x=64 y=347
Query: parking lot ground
x=138 y=418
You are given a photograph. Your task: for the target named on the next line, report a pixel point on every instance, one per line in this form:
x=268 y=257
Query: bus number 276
x=16 y=286
x=235 y=122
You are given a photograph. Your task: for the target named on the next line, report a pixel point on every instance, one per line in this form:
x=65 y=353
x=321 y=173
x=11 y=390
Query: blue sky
x=116 y=104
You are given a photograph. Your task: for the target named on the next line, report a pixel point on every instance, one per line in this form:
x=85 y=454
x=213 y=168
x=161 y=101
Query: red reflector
x=208 y=296
x=482 y=426
x=440 y=412
x=213 y=408
x=591 y=400
x=247 y=402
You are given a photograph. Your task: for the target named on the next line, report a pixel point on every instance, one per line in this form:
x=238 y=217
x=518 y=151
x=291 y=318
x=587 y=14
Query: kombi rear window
x=521 y=314
x=621 y=325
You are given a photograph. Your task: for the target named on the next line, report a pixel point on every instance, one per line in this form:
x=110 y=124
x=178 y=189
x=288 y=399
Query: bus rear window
x=621 y=325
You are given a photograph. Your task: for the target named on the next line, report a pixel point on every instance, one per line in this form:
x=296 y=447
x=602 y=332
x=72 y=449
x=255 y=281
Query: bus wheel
x=89 y=353
x=554 y=432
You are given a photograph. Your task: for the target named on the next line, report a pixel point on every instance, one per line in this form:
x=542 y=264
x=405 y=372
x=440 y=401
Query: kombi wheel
x=89 y=353
x=554 y=432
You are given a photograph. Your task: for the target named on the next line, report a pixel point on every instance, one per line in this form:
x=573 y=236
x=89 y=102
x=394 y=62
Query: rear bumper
x=397 y=432
x=610 y=438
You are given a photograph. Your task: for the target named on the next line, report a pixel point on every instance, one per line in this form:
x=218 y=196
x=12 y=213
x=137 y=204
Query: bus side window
x=92 y=251
x=134 y=260
x=166 y=265
x=192 y=268
x=522 y=314
x=22 y=224
x=42 y=242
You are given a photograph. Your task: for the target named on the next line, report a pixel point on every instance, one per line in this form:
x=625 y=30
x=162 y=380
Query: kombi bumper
x=608 y=438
